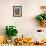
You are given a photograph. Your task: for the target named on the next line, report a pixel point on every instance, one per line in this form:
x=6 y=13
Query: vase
x=13 y=38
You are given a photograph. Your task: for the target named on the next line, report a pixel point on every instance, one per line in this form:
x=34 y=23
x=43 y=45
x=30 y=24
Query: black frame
x=14 y=11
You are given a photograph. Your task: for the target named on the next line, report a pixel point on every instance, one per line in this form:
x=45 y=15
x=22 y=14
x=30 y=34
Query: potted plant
x=42 y=17
x=10 y=31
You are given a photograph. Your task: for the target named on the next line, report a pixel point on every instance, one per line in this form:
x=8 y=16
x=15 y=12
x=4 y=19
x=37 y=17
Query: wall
x=26 y=24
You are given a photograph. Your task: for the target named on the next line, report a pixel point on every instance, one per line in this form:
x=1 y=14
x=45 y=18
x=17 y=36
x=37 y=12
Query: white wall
x=26 y=24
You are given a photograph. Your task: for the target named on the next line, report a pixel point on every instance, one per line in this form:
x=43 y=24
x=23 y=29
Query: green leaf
x=45 y=16
x=10 y=31
x=40 y=18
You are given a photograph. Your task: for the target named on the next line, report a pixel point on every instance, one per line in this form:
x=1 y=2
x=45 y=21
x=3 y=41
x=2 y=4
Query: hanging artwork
x=17 y=11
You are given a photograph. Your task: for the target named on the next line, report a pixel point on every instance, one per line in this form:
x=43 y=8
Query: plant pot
x=13 y=38
x=43 y=23
x=9 y=41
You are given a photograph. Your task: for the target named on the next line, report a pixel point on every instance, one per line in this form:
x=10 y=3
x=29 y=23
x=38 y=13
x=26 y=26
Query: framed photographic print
x=17 y=11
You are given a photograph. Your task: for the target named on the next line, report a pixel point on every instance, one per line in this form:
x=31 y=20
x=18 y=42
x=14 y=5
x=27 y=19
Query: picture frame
x=17 y=11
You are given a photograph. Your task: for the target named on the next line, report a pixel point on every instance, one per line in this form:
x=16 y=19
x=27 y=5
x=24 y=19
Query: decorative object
x=17 y=11
x=23 y=40
x=10 y=32
x=42 y=17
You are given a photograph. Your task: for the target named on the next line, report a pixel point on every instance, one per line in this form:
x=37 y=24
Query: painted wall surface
x=26 y=24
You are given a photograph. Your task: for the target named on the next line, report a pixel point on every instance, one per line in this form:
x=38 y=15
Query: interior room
x=23 y=22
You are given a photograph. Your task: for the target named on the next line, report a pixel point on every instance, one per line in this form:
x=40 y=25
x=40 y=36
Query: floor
x=30 y=45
